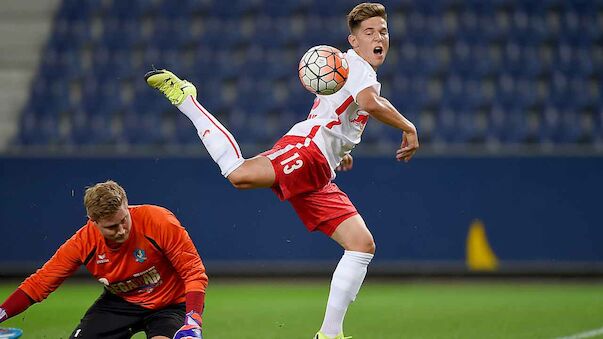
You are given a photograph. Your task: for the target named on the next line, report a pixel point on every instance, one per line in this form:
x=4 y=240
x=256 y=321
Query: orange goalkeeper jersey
x=153 y=268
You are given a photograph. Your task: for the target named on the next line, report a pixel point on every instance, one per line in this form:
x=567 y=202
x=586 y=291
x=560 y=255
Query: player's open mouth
x=378 y=50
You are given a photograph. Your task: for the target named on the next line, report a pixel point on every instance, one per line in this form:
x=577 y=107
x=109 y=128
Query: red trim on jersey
x=345 y=105
x=207 y=115
x=340 y=110
x=333 y=123
x=316 y=103
x=313 y=132
x=361 y=119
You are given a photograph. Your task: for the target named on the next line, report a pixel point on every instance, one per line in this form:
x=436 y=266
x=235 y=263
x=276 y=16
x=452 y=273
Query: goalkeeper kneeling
x=154 y=280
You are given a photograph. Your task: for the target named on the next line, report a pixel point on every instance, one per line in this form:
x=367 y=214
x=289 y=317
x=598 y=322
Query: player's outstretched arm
x=47 y=279
x=379 y=107
x=16 y=303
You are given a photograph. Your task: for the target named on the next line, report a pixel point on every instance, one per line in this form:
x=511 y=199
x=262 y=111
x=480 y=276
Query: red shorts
x=303 y=177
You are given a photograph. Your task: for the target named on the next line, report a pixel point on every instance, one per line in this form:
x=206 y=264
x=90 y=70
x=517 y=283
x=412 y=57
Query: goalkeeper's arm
x=40 y=284
x=16 y=303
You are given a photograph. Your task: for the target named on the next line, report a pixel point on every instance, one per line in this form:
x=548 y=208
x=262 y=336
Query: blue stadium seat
x=38 y=128
x=551 y=125
x=516 y=126
x=598 y=125
x=75 y=10
x=90 y=129
x=143 y=124
x=133 y=9
x=281 y=8
x=496 y=71
x=120 y=34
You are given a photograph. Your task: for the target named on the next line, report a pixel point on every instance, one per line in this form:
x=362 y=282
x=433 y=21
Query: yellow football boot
x=320 y=335
x=174 y=89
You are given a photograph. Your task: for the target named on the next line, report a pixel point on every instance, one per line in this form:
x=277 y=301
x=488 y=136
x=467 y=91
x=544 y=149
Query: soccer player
x=151 y=272
x=301 y=165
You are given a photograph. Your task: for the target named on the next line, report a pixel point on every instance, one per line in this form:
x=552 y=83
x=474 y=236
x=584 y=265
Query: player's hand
x=346 y=163
x=410 y=144
x=191 y=328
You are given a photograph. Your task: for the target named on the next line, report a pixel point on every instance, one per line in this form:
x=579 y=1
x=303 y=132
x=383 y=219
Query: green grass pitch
x=383 y=310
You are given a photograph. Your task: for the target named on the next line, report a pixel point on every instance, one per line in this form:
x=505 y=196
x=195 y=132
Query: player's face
x=116 y=229
x=371 y=40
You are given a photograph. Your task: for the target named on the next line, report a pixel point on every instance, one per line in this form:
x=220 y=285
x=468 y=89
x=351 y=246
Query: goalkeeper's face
x=116 y=229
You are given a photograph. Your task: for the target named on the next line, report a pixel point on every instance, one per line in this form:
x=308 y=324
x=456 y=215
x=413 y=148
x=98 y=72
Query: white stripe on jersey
x=282 y=151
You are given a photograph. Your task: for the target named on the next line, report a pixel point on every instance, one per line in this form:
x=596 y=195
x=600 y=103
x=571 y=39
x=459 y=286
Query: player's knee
x=369 y=246
x=364 y=245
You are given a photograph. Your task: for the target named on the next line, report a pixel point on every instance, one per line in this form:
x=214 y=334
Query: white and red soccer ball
x=323 y=70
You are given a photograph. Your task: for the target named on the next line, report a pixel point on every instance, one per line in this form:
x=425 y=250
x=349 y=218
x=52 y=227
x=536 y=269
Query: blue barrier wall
x=544 y=209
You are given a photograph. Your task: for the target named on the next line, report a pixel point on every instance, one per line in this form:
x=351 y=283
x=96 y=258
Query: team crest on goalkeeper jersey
x=140 y=255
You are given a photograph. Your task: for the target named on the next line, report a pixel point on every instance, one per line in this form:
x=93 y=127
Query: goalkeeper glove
x=191 y=328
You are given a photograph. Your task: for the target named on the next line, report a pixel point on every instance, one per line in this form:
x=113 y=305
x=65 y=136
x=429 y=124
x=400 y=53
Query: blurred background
x=506 y=95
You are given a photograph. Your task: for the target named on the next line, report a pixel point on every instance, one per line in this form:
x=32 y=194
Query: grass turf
x=456 y=309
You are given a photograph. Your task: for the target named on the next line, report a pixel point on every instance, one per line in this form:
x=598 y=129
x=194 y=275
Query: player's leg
x=353 y=235
x=256 y=172
x=109 y=317
x=330 y=211
x=163 y=323
x=219 y=142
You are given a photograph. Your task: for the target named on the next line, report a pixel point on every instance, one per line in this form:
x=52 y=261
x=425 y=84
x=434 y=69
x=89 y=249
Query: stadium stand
x=496 y=72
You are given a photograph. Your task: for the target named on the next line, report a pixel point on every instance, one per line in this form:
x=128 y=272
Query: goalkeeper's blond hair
x=104 y=199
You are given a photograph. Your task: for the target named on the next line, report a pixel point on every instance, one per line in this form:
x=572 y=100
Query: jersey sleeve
x=361 y=76
x=58 y=268
x=179 y=249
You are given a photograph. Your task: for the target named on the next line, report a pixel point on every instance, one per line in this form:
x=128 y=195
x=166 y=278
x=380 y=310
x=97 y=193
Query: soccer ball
x=323 y=70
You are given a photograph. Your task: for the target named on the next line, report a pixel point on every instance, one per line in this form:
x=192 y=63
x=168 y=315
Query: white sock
x=218 y=141
x=346 y=282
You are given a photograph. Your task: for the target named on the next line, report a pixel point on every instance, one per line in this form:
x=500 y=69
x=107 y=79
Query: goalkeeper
x=146 y=261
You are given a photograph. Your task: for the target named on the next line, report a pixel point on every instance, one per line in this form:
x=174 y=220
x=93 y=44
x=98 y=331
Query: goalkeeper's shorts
x=111 y=317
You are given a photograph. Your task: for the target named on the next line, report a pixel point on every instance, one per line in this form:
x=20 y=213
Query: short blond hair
x=104 y=200
x=364 y=11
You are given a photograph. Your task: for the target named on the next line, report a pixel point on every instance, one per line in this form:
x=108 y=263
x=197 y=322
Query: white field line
x=589 y=334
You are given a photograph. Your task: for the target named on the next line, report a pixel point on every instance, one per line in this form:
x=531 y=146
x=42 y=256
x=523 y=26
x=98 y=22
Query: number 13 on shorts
x=289 y=167
x=299 y=166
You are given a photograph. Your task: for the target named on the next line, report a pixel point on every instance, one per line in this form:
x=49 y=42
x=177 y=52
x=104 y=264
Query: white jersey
x=335 y=122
